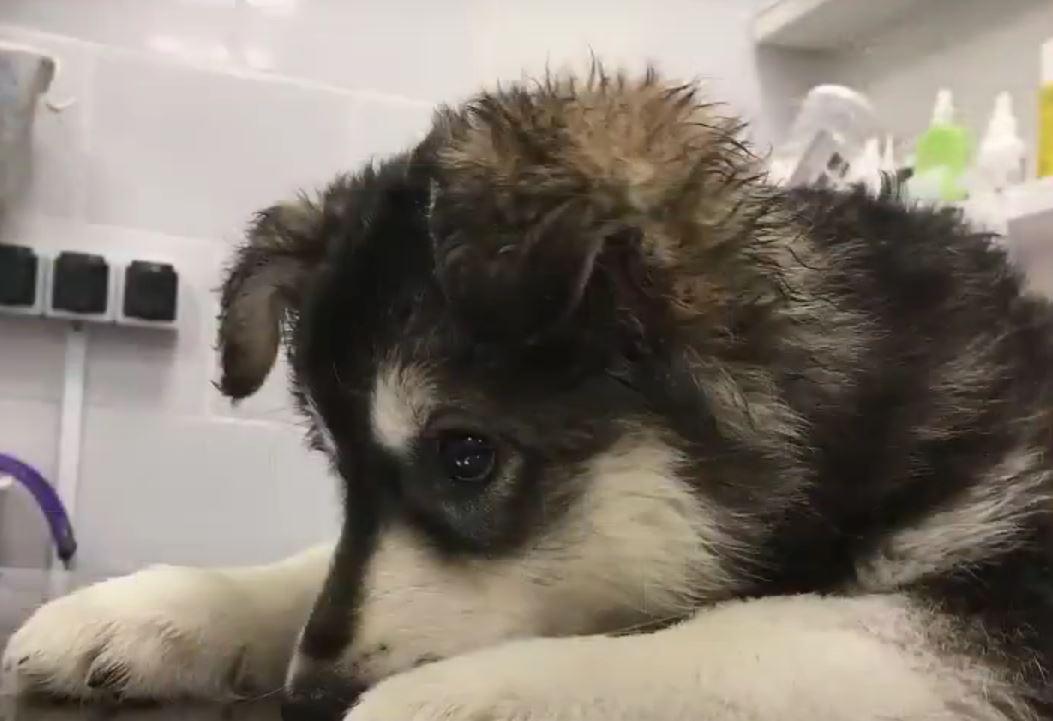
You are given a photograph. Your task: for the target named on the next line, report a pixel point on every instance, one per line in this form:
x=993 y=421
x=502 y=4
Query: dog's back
x=935 y=468
x=939 y=476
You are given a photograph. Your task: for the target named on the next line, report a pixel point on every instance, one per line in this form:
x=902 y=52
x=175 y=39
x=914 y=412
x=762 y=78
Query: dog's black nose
x=320 y=698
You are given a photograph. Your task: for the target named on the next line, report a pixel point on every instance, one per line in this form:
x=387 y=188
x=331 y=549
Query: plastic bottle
x=865 y=169
x=1001 y=156
x=1045 y=113
x=942 y=155
x=888 y=158
x=831 y=128
x=999 y=165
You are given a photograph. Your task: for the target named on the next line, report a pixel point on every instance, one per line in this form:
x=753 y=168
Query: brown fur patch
x=641 y=193
x=615 y=153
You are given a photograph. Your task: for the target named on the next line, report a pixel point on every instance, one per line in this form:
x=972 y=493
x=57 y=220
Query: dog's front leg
x=780 y=659
x=169 y=632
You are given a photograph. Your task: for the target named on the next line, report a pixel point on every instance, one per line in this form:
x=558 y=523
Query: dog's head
x=549 y=352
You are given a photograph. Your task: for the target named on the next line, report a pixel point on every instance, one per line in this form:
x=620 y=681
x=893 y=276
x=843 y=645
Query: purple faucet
x=49 y=502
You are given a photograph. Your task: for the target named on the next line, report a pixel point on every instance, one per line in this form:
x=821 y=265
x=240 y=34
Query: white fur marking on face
x=985 y=520
x=635 y=545
x=402 y=399
x=642 y=537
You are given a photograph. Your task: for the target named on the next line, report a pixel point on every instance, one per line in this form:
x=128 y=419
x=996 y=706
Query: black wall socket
x=151 y=291
x=18 y=276
x=80 y=283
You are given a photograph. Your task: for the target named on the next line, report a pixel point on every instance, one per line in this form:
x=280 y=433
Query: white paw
x=539 y=680
x=162 y=633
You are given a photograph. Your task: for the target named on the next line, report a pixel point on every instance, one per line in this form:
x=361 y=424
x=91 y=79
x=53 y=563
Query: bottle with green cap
x=942 y=155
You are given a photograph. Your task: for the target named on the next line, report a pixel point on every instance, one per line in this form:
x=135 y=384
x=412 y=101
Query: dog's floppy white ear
x=285 y=246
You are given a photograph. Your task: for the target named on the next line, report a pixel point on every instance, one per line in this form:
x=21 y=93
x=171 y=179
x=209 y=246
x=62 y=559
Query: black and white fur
x=759 y=454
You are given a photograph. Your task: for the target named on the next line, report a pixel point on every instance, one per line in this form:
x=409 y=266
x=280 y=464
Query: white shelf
x=1030 y=237
x=1031 y=199
x=826 y=24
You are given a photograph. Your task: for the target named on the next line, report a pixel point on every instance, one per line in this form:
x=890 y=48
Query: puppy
x=624 y=433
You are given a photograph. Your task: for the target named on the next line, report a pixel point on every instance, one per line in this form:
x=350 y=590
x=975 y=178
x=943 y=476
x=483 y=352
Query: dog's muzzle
x=320 y=696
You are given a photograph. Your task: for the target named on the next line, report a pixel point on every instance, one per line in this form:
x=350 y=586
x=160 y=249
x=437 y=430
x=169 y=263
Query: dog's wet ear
x=512 y=285
x=513 y=257
x=285 y=247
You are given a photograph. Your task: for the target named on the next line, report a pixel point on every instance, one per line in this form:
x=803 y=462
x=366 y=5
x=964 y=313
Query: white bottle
x=830 y=129
x=888 y=158
x=999 y=165
x=865 y=169
x=1000 y=160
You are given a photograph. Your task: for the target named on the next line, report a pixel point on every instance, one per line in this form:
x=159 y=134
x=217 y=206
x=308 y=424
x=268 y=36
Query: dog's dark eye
x=466 y=458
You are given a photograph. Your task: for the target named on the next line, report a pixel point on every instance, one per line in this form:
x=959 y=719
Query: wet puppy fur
x=739 y=390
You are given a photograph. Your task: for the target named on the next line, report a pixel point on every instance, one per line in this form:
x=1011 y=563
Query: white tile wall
x=240 y=143
x=28 y=429
x=221 y=491
x=30 y=361
x=189 y=115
